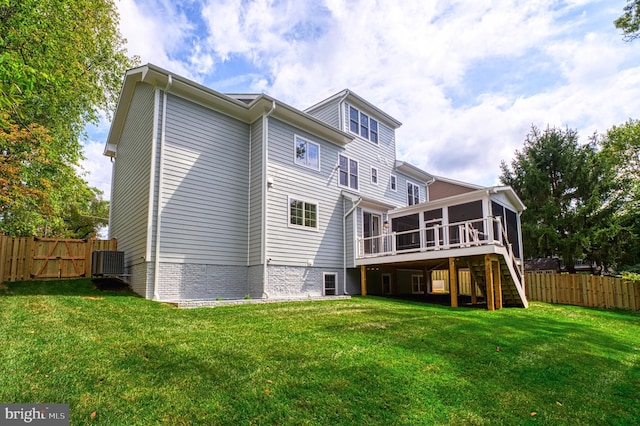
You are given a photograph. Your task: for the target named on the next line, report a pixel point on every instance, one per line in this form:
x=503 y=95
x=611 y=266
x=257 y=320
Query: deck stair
x=512 y=286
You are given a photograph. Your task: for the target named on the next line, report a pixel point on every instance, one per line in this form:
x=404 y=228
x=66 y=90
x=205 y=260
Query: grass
x=360 y=361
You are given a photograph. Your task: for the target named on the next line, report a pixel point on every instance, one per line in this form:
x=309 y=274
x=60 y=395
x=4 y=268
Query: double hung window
x=348 y=172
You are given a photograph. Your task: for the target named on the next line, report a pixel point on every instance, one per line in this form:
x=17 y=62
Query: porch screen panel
x=498 y=211
x=512 y=231
x=462 y=213
x=409 y=240
x=433 y=223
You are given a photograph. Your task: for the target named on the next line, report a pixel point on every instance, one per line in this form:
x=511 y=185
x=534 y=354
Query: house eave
x=368 y=201
x=195 y=92
x=413 y=171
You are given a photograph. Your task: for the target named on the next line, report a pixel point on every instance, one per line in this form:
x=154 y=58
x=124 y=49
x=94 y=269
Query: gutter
x=344 y=239
x=156 y=266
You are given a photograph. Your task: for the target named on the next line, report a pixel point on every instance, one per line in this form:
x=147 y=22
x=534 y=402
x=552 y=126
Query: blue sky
x=467 y=79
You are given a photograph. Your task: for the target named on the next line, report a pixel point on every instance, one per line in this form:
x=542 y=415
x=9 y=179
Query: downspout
x=156 y=267
x=249 y=204
x=344 y=240
x=265 y=162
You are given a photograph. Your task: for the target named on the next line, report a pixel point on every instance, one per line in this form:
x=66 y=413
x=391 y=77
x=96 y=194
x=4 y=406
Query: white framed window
x=413 y=194
x=417 y=284
x=303 y=214
x=306 y=153
x=374 y=176
x=348 y=172
x=363 y=125
x=330 y=284
x=393 y=183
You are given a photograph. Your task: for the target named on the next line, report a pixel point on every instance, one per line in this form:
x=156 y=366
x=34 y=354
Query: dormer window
x=363 y=125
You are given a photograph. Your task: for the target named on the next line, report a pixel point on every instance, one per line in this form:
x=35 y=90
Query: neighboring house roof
x=455 y=182
x=239 y=109
x=542 y=264
x=357 y=101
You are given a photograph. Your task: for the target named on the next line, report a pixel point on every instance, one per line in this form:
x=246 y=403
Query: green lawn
x=360 y=361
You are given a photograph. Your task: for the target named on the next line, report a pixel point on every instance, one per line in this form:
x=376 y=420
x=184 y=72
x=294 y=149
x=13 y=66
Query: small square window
x=330 y=284
x=303 y=213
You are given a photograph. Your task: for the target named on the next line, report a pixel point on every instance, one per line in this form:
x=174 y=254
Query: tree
x=564 y=186
x=629 y=21
x=61 y=63
x=83 y=219
x=620 y=149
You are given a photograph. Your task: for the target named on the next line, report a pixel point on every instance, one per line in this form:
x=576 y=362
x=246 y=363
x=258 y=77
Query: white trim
x=349 y=160
x=152 y=172
x=393 y=177
x=335 y=289
x=156 y=258
x=295 y=156
x=305 y=201
x=420 y=281
x=377 y=176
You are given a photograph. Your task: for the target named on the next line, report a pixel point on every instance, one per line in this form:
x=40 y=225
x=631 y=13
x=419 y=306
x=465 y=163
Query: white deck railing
x=434 y=236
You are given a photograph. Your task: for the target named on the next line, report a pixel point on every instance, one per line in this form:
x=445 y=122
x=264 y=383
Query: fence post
x=3 y=249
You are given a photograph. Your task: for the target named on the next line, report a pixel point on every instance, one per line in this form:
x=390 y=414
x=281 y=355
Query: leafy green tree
x=629 y=21
x=620 y=149
x=61 y=63
x=564 y=185
x=84 y=218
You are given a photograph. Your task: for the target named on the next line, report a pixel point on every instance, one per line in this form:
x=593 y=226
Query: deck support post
x=488 y=273
x=453 y=282
x=426 y=279
x=363 y=280
x=497 y=282
x=474 y=289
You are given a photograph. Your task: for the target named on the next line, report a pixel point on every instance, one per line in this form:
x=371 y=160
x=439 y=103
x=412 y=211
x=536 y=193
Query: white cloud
x=97 y=167
x=559 y=63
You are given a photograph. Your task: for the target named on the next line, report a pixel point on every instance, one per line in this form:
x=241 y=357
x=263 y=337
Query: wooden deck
x=494 y=270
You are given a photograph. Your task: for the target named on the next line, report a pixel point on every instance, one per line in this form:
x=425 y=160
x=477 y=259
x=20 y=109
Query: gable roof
x=359 y=102
x=248 y=109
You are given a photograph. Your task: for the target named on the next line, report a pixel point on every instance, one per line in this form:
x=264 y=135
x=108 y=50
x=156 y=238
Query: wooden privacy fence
x=583 y=290
x=30 y=258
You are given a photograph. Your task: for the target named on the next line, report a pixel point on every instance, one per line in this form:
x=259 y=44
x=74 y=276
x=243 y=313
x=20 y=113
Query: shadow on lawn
x=71 y=287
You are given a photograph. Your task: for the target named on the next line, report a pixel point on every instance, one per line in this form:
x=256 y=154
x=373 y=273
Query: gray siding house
x=220 y=196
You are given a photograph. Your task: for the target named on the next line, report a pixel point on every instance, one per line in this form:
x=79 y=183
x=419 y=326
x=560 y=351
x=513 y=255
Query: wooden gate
x=23 y=259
